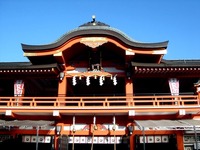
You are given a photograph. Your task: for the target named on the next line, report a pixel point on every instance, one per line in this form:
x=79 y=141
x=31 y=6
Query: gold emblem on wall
x=93 y=42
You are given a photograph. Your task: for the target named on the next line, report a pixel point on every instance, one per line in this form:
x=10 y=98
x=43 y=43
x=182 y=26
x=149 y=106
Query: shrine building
x=97 y=88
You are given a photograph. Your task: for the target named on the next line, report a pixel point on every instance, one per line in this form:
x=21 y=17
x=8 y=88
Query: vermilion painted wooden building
x=96 y=88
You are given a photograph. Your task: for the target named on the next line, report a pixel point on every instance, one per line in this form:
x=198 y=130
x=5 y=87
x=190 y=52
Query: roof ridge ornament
x=93 y=18
x=94 y=23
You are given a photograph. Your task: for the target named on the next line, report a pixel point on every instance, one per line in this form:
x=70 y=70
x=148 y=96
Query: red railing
x=100 y=102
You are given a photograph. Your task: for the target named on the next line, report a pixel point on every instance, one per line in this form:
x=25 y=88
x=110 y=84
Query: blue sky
x=38 y=22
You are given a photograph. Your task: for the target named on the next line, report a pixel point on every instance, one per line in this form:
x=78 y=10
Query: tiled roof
x=25 y=65
x=168 y=67
x=170 y=63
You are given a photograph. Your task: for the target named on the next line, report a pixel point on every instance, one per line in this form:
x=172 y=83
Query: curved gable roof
x=95 y=28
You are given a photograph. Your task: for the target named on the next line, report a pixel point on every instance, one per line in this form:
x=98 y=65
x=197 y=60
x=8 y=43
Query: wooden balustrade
x=100 y=102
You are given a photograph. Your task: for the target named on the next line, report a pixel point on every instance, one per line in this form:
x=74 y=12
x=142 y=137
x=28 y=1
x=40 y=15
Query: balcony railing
x=123 y=102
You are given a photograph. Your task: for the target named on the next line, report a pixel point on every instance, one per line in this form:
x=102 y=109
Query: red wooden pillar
x=62 y=89
x=132 y=142
x=179 y=138
x=129 y=89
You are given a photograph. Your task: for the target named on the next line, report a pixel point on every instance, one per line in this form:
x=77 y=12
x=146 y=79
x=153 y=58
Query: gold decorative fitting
x=93 y=42
x=95 y=127
x=114 y=127
x=73 y=130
